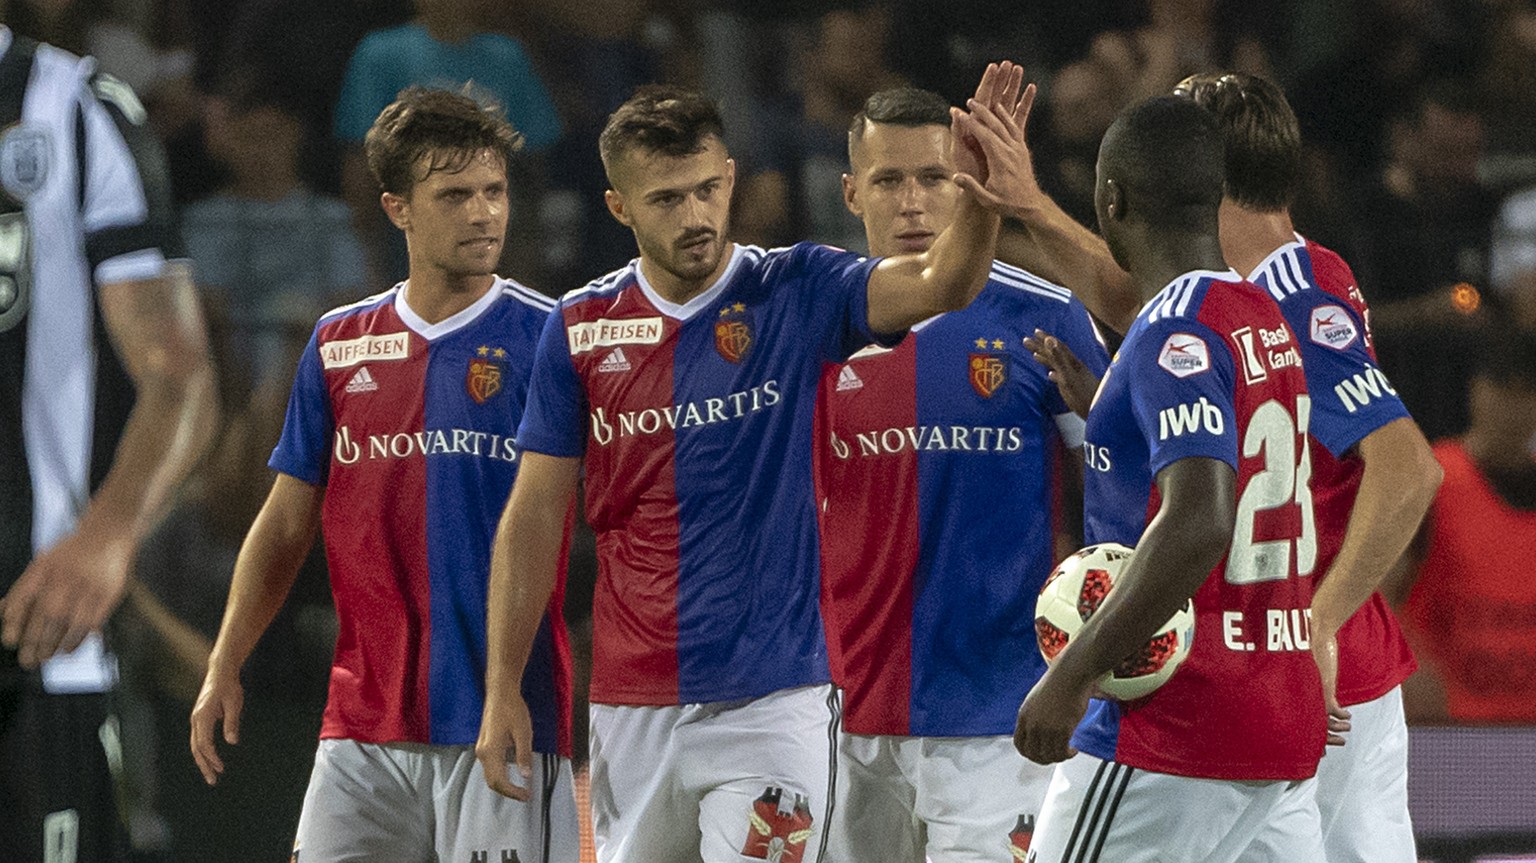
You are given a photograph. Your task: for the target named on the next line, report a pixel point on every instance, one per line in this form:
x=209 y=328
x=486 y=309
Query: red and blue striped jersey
x=936 y=465
x=1210 y=369
x=695 y=424
x=411 y=427
x=1351 y=398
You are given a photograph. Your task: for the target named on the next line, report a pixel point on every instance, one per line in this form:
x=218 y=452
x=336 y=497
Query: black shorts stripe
x=1109 y=817
x=834 y=730
x=1098 y=805
x=1082 y=812
x=551 y=780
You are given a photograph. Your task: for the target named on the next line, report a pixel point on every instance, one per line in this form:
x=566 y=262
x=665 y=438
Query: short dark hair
x=662 y=119
x=449 y=128
x=899 y=106
x=1262 y=137
x=1167 y=154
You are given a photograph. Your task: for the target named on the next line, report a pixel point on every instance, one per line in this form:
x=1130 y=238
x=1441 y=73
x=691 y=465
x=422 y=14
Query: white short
x=946 y=799
x=1103 y=812
x=1362 y=787
x=720 y=783
x=415 y=803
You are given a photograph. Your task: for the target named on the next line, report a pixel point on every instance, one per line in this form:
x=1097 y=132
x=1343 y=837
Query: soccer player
x=1197 y=455
x=936 y=466
x=684 y=385
x=1373 y=477
x=400 y=441
x=106 y=402
x=1373 y=474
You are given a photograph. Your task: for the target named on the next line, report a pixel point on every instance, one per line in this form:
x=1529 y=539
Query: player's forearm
x=1399 y=482
x=525 y=560
x=909 y=289
x=960 y=260
x=158 y=331
x=1185 y=541
x=265 y=571
x=1040 y=237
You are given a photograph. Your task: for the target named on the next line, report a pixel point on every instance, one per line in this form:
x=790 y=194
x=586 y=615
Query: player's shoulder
x=522 y=296
x=1018 y=286
x=1195 y=298
x=603 y=287
x=1300 y=271
x=357 y=308
x=801 y=255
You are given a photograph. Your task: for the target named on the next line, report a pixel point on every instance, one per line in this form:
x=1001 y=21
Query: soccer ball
x=1075 y=590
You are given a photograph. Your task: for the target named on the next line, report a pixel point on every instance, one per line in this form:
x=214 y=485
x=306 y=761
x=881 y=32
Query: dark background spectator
x=1468 y=599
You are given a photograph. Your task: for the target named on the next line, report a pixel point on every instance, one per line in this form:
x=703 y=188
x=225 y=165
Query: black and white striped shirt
x=83 y=203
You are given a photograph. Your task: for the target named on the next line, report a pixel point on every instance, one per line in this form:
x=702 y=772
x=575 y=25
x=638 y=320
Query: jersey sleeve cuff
x=131 y=266
x=1358 y=428
x=285 y=463
x=1073 y=429
x=550 y=447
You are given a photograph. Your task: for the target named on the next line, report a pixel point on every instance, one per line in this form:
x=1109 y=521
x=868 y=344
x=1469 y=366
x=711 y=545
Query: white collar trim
x=684 y=311
x=453 y=322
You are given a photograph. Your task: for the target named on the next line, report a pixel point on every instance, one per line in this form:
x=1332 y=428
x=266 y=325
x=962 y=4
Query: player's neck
x=1168 y=258
x=436 y=296
x=1249 y=236
x=677 y=290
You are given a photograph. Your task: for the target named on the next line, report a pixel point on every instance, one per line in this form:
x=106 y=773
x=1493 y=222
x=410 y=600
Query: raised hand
x=991 y=141
x=1077 y=382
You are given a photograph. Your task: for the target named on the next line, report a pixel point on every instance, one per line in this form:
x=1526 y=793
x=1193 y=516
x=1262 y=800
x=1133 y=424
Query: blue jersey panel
x=304 y=449
x=746 y=512
x=555 y=419
x=1351 y=397
x=987 y=444
x=476 y=384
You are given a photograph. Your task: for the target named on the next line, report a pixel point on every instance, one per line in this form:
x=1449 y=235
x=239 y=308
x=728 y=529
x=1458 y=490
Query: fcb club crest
x=988 y=371
x=484 y=377
x=733 y=332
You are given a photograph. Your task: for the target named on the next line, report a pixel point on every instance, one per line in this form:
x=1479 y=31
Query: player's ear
x=615 y=202
x=851 y=197
x=730 y=176
x=397 y=208
x=1114 y=200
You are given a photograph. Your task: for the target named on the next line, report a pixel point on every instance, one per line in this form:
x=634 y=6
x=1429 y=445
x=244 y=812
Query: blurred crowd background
x=1419 y=118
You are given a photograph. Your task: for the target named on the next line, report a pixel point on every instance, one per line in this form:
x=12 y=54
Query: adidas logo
x=614 y=362
x=847 y=379
x=362 y=382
